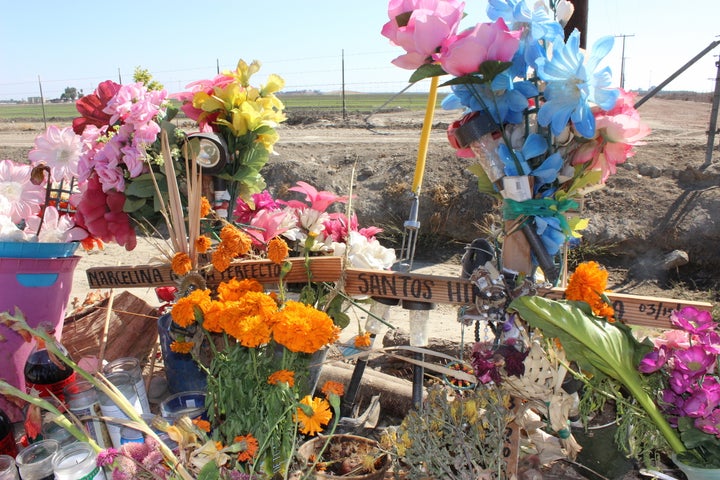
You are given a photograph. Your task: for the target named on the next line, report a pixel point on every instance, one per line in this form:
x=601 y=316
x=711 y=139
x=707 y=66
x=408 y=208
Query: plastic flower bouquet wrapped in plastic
x=540 y=115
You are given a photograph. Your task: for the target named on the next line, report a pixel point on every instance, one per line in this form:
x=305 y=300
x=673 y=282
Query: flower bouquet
x=665 y=388
x=540 y=115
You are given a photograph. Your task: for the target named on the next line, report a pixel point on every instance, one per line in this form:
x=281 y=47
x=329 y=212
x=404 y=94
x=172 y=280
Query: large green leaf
x=427 y=70
x=596 y=345
x=141 y=187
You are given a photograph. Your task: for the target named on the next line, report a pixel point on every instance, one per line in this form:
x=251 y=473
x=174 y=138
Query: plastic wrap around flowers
x=540 y=117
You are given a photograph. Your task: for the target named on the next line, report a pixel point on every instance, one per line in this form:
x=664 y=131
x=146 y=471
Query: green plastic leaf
x=490 y=69
x=427 y=70
x=484 y=183
x=133 y=204
x=140 y=187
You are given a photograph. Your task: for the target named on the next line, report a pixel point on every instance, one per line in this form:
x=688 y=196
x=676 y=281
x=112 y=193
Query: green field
x=355 y=102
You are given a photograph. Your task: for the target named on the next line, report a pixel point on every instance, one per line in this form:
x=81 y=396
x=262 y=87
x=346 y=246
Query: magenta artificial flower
x=653 y=361
x=420 y=27
x=463 y=54
x=617 y=131
x=702 y=399
x=23 y=197
x=318 y=200
x=244 y=211
x=694 y=361
x=710 y=423
x=693 y=320
x=60 y=150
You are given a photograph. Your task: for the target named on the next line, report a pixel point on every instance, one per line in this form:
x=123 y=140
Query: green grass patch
x=355 y=102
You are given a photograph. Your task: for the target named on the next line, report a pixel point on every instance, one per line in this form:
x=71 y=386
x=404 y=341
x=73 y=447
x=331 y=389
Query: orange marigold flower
x=312 y=415
x=277 y=250
x=213 y=317
x=203 y=425
x=181 y=263
x=205 y=207
x=203 y=244
x=234 y=289
x=249 y=320
x=363 y=341
x=282 y=376
x=183 y=312
x=331 y=387
x=587 y=284
x=235 y=240
x=221 y=258
x=181 y=347
x=249 y=446
x=302 y=328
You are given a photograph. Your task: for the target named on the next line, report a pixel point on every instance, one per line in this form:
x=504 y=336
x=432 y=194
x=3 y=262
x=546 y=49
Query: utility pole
x=712 y=130
x=622 y=60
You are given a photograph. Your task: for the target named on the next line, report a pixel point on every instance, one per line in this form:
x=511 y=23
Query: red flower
x=91 y=107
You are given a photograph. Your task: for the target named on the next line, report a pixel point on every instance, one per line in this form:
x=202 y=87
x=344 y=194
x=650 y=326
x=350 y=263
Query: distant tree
x=70 y=94
x=144 y=76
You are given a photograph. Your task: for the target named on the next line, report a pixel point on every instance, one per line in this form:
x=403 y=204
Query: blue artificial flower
x=504 y=99
x=534 y=146
x=538 y=25
x=572 y=84
x=551 y=234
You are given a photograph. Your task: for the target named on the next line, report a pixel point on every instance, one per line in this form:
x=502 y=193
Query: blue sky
x=83 y=42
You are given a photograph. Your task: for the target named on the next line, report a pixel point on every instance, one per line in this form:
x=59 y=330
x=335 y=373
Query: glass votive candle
x=36 y=461
x=8 y=470
x=131 y=366
x=124 y=384
x=77 y=461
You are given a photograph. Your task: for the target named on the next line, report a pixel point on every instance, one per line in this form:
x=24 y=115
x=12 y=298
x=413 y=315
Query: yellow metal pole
x=425 y=136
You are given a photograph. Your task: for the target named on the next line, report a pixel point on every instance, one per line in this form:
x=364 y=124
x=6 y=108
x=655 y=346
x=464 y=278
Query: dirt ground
x=663 y=199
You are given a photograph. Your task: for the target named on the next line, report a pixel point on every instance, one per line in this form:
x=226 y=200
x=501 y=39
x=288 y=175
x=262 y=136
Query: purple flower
x=491 y=362
x=693 y=320
x=653 y=361
x=694 y=361
x=699 y=404
x=107 y=457
x=679 y=382
x=710 y=424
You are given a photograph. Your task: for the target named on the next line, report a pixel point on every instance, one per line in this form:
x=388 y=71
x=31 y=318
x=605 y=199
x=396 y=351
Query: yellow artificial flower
x=275 y=83
x=243 y=71
x=312 y=415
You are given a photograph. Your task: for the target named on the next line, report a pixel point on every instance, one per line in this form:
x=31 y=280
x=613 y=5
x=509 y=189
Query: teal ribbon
x=540 y=207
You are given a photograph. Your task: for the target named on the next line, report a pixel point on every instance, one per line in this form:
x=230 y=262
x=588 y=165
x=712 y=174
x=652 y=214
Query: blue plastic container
x=181 y=371
x=37 y=249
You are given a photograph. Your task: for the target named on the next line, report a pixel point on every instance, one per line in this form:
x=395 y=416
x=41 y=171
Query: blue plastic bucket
x=40 y=288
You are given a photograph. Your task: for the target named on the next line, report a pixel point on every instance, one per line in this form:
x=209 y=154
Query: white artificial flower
x=364 y=253
x=9 y=232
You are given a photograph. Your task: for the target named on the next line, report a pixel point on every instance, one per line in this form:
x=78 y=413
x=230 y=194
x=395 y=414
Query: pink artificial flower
x=693 y=320
x=23 y=197
x=464 y=53
x=268 y=224
x=703 y=399
x=694 y=361
x=60 y=150
x=101 y=214
x=244 y=211
x=106 y=457
x=54 y=227
x=653 y=361
x=319 y=201
x=617 y=131
x=420 y=27
x=673 y=339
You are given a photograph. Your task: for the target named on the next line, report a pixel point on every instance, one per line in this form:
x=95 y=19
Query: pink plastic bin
x=40 y=288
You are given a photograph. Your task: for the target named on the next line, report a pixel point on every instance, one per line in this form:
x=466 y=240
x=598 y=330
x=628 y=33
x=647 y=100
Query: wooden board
x=635 y=310
x=323 y=269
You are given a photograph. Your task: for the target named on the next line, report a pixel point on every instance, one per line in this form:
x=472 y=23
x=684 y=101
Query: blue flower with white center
x=573 y=83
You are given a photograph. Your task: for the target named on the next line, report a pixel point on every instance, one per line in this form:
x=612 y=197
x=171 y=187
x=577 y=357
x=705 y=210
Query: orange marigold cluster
x=277 y=250
x=363 y=341
x=203 y=244
x=282 y=376
x=181 y=263
x=205 y=207
x=249 y=319
x=235 y=241
x=183 y=312
x=248 y=445
x=302 y=328
x=234 y=289
x=333 y=388
x=181 y=347
x=587 y=284
x=203 y=425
